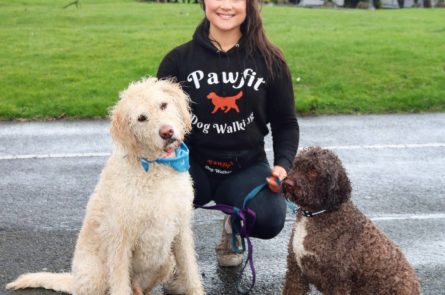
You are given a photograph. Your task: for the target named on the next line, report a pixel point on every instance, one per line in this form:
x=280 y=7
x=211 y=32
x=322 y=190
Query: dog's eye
x=163 y=106
x=142 y=118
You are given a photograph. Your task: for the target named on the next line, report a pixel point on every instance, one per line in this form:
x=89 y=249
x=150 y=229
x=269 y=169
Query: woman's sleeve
x=168 y=67
x=283 y=119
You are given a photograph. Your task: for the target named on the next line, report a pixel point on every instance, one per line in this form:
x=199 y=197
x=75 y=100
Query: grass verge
x=73 y=62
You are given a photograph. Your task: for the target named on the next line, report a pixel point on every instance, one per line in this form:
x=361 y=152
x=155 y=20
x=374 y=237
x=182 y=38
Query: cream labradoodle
x=137 y=230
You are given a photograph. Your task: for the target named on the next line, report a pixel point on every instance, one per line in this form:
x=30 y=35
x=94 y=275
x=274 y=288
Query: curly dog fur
x=340 y=251
x=137 y=227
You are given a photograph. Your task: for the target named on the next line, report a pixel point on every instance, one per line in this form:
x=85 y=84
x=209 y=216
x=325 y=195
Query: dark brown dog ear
x=339 y=186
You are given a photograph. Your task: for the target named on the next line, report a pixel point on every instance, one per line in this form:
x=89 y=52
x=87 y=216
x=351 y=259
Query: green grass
x=72 y=62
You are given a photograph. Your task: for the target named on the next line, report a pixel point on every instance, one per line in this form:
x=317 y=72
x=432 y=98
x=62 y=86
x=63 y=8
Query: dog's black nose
x=166 y=132
x=288 y=184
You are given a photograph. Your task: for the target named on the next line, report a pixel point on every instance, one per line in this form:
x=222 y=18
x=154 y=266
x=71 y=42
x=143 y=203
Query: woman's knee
x=268 y=230
x=270 y=219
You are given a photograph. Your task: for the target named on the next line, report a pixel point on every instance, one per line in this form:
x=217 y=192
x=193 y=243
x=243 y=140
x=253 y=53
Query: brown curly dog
x=333 y=245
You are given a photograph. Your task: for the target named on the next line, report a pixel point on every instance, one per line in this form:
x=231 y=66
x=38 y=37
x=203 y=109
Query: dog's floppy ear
x=120 y=129
x=338 y=183
x=182 y=100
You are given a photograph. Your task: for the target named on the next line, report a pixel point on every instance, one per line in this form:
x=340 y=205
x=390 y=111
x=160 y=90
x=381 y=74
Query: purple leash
x=242 y=222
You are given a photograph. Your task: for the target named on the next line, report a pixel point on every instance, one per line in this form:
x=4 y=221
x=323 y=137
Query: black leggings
x=270 y=207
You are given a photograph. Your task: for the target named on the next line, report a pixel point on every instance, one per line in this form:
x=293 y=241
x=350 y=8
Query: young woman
x=238 y=82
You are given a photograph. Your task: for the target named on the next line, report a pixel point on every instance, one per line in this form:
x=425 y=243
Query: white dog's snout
x=166 y=132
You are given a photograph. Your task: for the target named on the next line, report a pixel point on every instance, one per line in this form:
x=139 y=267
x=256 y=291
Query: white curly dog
x=137 y=230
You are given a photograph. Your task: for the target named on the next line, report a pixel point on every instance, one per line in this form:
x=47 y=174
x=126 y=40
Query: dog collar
x=310 y=213
x=180 y=162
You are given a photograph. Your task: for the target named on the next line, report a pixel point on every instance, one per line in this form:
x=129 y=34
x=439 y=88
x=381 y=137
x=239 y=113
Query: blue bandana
x=180 y=162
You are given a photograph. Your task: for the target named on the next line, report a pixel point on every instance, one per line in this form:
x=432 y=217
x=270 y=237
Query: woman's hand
x=274 y=181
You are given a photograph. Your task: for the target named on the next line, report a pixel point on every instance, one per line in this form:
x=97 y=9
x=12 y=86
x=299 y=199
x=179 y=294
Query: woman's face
x=225 y=15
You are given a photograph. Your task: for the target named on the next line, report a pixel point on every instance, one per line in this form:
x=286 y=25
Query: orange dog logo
x=225 y=103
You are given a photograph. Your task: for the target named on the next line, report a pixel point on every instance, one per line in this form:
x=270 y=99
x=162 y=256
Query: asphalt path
x=396 y=164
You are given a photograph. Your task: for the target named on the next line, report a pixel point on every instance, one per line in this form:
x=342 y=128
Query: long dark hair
x=255 y=37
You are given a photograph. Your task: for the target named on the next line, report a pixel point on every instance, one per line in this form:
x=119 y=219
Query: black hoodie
x=234 y=98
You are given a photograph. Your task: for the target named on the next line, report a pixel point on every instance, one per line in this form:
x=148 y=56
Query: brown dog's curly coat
x=338 y=250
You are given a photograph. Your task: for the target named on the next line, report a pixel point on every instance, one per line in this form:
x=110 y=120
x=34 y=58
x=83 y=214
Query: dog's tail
x=62 y=282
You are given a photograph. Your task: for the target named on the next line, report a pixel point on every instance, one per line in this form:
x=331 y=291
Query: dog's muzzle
x=166 y=132
x=287 y=186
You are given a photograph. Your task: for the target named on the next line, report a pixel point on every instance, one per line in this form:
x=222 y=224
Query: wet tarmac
x=396 y=164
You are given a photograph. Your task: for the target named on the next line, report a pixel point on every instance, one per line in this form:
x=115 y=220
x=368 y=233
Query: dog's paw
x=174 y=287
x=195 y=291
x=122 y=291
